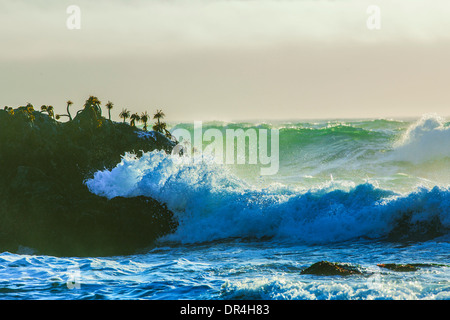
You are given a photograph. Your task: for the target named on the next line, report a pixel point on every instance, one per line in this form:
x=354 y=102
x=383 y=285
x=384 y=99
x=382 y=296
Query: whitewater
x=363 y=192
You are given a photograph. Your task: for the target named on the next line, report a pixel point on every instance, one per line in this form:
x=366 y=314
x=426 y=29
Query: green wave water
x=395 y=154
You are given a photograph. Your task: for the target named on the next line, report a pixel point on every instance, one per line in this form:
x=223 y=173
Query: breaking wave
x=210 y=204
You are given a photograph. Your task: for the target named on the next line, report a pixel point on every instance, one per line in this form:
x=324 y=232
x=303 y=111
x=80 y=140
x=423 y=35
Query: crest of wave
x=426 y=139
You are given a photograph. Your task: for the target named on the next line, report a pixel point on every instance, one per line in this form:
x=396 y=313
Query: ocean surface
x=363 y=192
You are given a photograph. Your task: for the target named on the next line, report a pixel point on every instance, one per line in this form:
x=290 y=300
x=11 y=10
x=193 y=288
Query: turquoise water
x=363 y=192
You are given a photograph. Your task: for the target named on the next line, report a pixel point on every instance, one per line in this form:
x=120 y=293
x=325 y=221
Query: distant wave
x=427 y=139
x=354 y=141
x=398 y=154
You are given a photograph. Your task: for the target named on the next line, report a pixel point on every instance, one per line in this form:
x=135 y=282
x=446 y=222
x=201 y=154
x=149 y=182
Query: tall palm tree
x=125 y=114
x=144 y=119
x=109 y=106
x=158 y=115
x=69 y=103
x=134 y=117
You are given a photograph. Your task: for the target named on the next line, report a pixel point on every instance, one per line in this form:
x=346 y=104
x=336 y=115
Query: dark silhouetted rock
x=408 y=267
x=44 y=203
x=398 y=267
x=326 y=268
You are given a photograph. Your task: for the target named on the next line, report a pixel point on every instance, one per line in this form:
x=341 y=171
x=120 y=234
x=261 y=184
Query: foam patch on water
x=375 y=287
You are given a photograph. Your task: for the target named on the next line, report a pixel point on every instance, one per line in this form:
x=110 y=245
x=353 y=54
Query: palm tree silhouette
x=158 y=115
x=69 y=103
x=134 y=117
x=109 y=106
x=125 y=114
x=94 y=103
x=161 y=126
x=144 y=119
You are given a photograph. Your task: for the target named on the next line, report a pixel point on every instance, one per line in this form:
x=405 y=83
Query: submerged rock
x=326 y=268
x=408 y=267
x=44 y=203
x=398 y=267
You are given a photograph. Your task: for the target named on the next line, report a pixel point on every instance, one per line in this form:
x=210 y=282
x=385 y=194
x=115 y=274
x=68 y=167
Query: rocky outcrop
x=326 y=268
x=44 y=203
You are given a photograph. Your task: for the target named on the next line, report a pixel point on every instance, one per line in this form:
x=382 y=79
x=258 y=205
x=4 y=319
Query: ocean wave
x=210 y=203
x=425 y=140
x=313 y=147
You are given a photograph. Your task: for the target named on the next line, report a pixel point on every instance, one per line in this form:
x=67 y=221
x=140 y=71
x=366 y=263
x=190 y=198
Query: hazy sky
x=230 y=60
